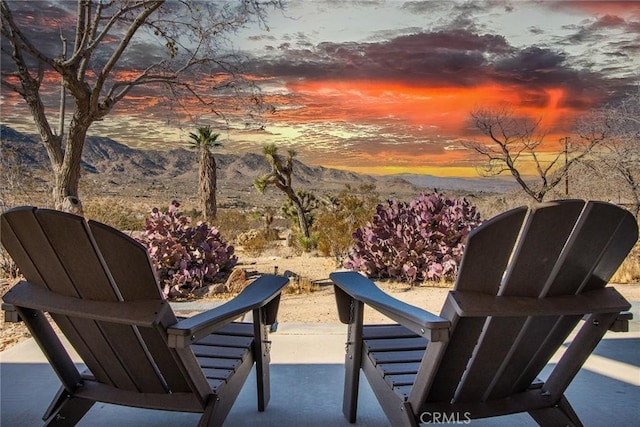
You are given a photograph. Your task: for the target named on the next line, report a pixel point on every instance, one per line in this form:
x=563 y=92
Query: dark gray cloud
x=418 y=58
x=424 y=7
x=445 y=59
x=598 y=29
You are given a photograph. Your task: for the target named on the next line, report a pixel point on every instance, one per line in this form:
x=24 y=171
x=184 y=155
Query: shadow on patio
x=306 y=387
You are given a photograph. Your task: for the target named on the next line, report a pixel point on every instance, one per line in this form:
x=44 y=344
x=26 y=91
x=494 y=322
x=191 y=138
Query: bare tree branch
x=615 y=130
x=514 y=142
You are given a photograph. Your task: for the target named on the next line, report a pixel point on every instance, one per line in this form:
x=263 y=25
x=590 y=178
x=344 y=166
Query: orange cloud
x=435 y=117
x=448 y=107
x=387 y=127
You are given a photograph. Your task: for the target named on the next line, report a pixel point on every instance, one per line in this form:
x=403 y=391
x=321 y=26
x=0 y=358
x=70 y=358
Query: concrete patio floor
x=306 y=386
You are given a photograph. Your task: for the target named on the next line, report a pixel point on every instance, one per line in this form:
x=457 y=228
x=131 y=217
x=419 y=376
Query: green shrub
x=341 y=217
x=305 y=244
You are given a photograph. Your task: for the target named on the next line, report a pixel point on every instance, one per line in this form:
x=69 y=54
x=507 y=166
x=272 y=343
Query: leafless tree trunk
x=104 y=34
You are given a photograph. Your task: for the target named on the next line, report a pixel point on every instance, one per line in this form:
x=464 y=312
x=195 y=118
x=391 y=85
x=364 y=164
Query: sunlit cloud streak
x=387 y=87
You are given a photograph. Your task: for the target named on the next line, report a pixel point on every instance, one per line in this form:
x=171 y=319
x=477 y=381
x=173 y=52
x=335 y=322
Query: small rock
x=237 y=280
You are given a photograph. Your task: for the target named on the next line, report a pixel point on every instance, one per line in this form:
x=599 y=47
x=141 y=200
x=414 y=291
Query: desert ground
x=319 y=305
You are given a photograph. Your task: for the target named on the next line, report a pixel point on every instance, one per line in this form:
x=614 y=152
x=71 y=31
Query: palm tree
x=203 y=140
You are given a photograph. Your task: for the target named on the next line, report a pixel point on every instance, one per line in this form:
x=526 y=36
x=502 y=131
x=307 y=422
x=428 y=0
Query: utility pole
x=566 y=162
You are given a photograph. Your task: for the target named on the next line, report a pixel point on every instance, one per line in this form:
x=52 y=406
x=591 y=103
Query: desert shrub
x=21 y=184
x=8 y=267
x=232 y=222
x=300 y=285
x=629 y=271
x=117 y=213
x=186 y=256
x=341 y=216
x=416 y=241
x=254 y=242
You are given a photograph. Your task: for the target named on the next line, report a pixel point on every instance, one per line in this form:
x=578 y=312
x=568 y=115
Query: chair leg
x=262 y=358
x=353 y=360
x=209 y=418
x=560 y=415
x=66 y=410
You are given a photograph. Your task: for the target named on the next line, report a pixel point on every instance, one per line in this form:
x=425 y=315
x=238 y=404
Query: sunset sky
x=386 y=87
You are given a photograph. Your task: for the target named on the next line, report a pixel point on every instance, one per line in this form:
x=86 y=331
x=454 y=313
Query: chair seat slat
x=222 y=352
x=241 y=329
x=386 y=331
x=398 y=368
x=218 y=362
x=218 y=374
x=388 y=344
x=396 y=356
x=226 y=341
x=400 y=380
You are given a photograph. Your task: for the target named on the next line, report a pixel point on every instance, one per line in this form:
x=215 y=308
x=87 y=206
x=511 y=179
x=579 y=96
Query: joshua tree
x=203 y=141
x=280 y=176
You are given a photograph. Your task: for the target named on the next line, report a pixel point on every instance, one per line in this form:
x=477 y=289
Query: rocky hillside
x=116 y=169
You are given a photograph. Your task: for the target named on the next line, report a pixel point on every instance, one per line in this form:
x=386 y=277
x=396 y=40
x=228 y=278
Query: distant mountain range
x=480 y=184
x=115 y=167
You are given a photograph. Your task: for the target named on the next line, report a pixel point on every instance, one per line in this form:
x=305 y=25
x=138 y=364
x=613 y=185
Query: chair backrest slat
x=133 y=274
x=487 y=253
x=23 y=236
x=624 y=238
x=559 y=248
x=543 y=237
x=59 y=251
x=70 y=240
x=598 y=246
x=464 y=335
x=128 y=263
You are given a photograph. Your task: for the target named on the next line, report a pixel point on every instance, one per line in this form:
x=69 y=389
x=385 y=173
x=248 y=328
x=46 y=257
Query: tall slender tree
x=187 y=55
x=203 y=141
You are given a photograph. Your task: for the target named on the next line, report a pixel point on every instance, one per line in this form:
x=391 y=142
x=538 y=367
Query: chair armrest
x=422 y=322
x=475 y=304
x=621 y=324
x=10 y=313
x=258 y=294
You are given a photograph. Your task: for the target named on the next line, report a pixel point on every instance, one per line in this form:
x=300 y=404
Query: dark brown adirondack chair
x=99 y=287
x=527 y=279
